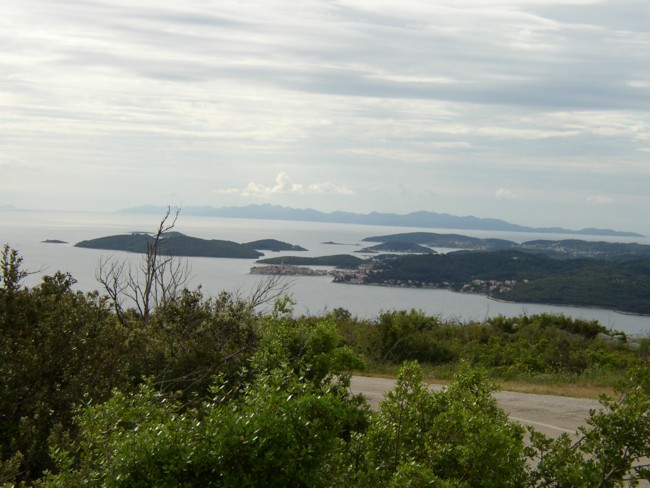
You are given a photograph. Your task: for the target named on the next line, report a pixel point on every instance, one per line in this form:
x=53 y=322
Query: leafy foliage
x=209 y=392
x=459 y=436
x=279 y=431
x=507 y=347
x=56 y=347
x=407 y=335
x=613 y=448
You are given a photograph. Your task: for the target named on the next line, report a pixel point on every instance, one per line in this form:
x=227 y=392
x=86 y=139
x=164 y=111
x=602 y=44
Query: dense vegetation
x=198 y=391
x=616 y=285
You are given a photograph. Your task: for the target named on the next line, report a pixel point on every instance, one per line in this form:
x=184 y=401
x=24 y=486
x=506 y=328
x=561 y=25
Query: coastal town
x=363 y=276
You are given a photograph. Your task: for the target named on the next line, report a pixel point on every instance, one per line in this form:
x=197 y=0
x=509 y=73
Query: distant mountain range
x=421 y=219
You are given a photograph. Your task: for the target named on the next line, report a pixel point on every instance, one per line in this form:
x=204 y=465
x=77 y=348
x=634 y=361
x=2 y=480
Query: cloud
x=329 y=188
x=506 y=194
x=15 y=165
x=283 y=186
x=600 y=200
x=529 y=94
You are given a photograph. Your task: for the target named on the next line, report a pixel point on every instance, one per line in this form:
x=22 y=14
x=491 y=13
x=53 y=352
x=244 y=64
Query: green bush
x=458 y=436
x=279 y=431
x=57 y=347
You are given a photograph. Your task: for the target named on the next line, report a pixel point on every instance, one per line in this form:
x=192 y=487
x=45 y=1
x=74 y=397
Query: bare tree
x=268 y=291
x=157 y=280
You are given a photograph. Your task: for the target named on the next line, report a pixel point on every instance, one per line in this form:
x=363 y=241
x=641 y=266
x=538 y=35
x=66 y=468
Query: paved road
x=551 y=415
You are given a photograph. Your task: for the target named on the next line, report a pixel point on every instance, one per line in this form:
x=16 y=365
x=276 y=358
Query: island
x=53 y=241
x=274 y=245
x=340 y=265
x=345 y=261
x=173 y=243
x=397 y=247
x=452 y=241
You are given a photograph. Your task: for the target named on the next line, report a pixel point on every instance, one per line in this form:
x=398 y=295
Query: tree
x=611 y=451
x=458 y=436
x=57 y=347
x=285 y=422
x=157 y=281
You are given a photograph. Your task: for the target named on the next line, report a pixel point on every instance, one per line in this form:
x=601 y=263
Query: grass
x=587 y=385
x=567 y=390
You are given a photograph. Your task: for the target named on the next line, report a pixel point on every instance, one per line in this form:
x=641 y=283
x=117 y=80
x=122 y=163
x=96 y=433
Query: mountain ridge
x=419 y=218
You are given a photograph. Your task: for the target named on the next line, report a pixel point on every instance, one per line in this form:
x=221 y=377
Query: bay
x=25 y=231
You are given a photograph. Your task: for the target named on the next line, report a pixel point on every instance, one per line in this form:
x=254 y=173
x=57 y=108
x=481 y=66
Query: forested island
x=178 y=244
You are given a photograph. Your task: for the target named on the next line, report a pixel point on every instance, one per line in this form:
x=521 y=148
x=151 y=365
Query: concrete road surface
x=551 y=415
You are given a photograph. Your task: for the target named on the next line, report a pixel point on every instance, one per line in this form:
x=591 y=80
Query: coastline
x=495 y=299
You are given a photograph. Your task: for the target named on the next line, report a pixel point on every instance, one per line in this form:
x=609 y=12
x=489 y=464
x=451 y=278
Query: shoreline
x=489 y=297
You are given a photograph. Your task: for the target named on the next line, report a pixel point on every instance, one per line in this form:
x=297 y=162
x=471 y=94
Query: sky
x=531 y=111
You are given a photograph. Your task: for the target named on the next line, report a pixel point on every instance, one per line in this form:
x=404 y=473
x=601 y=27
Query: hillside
x=524 y=277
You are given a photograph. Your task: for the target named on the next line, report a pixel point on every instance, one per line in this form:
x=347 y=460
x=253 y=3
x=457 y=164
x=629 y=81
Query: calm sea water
x=25 y=231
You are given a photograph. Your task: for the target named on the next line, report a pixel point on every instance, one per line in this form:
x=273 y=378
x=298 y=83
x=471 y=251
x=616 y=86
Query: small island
x=274 y=245
x=345 y=261
x=397 y=247
x=53 y=241
x=336 y=266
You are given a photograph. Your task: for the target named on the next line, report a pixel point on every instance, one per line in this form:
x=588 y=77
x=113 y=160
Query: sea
x=25 y=231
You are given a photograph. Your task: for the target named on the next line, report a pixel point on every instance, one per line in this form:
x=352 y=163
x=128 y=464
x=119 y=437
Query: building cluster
x=490 y=286
x=288 y=270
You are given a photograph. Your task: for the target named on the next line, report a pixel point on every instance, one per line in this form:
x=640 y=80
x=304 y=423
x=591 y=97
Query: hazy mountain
x=415 y=219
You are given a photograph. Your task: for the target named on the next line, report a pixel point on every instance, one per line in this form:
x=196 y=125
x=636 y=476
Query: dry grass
x=585 y=387
x=567 y=390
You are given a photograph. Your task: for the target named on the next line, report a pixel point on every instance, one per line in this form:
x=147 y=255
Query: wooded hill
x=525 y=277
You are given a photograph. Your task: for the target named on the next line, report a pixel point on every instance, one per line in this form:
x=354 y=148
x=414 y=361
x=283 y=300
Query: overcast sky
x=532 y=111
